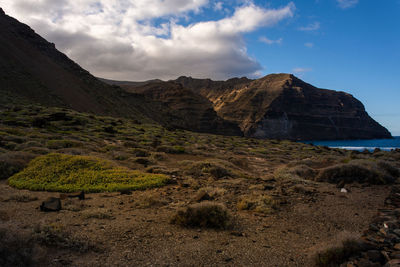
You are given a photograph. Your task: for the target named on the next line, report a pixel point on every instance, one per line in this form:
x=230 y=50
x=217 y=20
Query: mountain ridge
x=283 y=106
x=276 y=106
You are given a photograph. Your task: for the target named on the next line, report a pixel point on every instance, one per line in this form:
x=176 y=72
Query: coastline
x=360 y=145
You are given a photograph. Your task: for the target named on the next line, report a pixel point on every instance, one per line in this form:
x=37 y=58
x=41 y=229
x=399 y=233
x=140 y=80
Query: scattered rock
x=51 y=204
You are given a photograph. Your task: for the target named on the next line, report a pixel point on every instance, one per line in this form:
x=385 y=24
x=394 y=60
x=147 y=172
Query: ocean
x=360 y=145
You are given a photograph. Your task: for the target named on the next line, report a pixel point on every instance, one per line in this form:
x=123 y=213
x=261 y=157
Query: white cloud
x=311 y=27
x=309 y=45
x=301 y=70
x=344 y=4
x=120 y=39
x=218 y=6
x=269 y=41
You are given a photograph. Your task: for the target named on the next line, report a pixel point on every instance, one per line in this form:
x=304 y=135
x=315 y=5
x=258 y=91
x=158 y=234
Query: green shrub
x=67 y=173
x=205 y=214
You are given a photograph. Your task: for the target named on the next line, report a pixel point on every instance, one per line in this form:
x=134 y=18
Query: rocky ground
x=382 y=237
x=135 y=230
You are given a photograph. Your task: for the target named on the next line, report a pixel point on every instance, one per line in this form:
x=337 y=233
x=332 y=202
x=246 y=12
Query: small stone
x=343 y=190
x=397 y=246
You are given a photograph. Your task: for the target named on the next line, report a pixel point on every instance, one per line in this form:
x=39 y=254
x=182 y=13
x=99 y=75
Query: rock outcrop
x=184 y=108
x=284 y=107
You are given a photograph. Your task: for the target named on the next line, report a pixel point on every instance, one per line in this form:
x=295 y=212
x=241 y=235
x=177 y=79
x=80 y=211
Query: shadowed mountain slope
x=33 y=69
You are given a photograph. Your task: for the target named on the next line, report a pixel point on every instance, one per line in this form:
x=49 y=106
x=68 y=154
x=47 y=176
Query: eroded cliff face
x=183 y=108
x=283 y=106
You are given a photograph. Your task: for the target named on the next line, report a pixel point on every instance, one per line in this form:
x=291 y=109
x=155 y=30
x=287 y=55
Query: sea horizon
x=360 y=145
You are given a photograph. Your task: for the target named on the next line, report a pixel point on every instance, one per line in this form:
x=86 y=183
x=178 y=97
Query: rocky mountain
x=183 y=108
x=283 y=106
x=33 y=69
x=276 y=106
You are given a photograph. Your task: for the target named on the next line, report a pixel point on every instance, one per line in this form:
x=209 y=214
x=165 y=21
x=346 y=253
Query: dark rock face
x=33 y=70
x=51 y=204
x=184 y=108
x=284 y=107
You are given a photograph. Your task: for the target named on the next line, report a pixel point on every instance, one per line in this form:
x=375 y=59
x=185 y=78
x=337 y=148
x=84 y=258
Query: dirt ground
x=137 y=229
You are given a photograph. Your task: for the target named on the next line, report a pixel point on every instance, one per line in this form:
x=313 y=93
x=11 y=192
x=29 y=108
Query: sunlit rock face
x=283 y=106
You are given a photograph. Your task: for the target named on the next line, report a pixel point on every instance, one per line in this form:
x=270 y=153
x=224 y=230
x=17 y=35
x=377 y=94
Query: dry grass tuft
x=362 y=171
x=206 y=214
x=339 y=250
x=16 y=249
x=258 y=203
x=55 y=235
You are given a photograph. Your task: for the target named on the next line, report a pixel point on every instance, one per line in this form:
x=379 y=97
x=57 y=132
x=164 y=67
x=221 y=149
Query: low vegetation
x=67 y=173
x=13 y=162
x=16 y=249
x=205 y=214
x=359 y=171
x=258 y=203
x=56 y=236
x=341 y=249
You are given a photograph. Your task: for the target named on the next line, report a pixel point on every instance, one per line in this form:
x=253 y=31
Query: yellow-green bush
x=67 y=173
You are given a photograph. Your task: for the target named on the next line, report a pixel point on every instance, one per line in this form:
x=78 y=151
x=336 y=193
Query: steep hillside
x=32 y=69
x=184 y=108
x=283 y=106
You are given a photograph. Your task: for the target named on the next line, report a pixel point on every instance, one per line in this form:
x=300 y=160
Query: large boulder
x=51 y=204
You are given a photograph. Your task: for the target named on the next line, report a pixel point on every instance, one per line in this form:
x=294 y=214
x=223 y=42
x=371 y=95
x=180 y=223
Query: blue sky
x=356 y=50
x=347 y=45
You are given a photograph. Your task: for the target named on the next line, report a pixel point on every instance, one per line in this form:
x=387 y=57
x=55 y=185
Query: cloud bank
x=146 y=39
